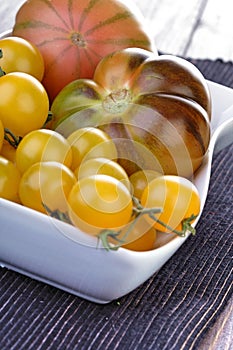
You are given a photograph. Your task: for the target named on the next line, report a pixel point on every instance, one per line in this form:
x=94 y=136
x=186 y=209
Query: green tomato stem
x=108 y=236
x=2 y=72
x=57 y=214
x=11 y=138
x=49 y=118
x=139 y=210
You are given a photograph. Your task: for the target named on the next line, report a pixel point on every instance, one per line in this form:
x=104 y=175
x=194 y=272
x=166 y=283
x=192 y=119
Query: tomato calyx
x=12 y=139
x=117 y=101
x=186 y=224
x=77 y=39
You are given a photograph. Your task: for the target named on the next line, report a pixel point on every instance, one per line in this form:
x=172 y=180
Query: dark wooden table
x=194 y=28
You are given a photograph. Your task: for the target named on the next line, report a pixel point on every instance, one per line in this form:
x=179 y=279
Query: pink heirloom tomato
x=74 y=35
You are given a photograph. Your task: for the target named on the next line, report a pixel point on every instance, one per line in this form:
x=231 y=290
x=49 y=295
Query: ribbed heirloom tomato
x=156 y=109
x=73 y=36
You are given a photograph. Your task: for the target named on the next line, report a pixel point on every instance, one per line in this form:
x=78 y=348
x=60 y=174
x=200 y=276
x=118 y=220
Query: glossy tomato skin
x=45 y=187
x=157 y=110
x=42 y=145
x=73 y=46
x=177 y=197
x=103 y=166
x=19 y=55
x=99 y=202
x=144 y=242
x=138 y=235
x=25 y=105
x=8 y=151
x=9 y=180
x=140 y=179
x=89 y=143
x=1 y=135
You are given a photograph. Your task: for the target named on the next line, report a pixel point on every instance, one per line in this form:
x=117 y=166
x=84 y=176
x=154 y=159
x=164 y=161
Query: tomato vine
x=107 y=236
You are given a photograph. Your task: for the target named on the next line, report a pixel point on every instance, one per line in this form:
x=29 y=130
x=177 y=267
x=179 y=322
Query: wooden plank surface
x=193 y=28
x=220 y=337
x=171 y=22
x=213 y=36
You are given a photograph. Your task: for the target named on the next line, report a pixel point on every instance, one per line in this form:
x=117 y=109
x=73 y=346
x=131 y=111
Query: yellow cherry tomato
x=8 y=151
x=1 y=135
x=176 y=196
x=98 y=202
x=45 y=187
x=9 y=180
x=103 y=166
x=25 y=105
x=144 y=242
x=42 y=145
x=90 y=143
x=138 y=235
x=20 y=55
x=140 y=179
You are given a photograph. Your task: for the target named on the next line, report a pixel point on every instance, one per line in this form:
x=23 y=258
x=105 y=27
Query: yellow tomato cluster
x=24 y=105
x=79 y=176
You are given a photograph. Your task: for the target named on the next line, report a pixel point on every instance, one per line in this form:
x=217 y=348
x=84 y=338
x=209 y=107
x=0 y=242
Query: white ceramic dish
x=41 y=247
x=38 y=246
